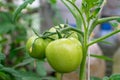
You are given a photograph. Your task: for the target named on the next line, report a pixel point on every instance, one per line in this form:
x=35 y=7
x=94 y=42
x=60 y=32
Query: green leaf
x=18 y=74
x=3 y=40
x=21 y=7
x=2 y=56
x=92 y=8
x=101 y=57
x=40 y=68
x=38 y=78
x=73 y=1
x=6 y=24
x=31 y=78
x=115 y=77
x=18 y=48
x=118 y=20
x=6 y=27
x=25 y=62
x=1 y=66
x=114 y=24
x=106 y=78
x=53 y=1
x=4 y=76
x=94 y=78
x=11 y=71
x=95 y=12
x=5 y=17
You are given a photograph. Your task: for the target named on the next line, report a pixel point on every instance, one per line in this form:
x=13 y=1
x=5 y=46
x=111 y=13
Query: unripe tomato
x=36 y=47
x=55 y=36
x=64 y=55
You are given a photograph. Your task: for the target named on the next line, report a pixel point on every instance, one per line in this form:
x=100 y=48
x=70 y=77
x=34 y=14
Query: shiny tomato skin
x=64 y=55
x=36 y=47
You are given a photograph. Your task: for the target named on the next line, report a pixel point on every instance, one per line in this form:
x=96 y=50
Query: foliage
x=112 y=77
x=87 y=18
x=15 y=63
x=19 y=9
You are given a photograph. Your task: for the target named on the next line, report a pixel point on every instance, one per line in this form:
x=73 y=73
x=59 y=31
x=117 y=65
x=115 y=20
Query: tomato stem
x=85 y=50
x=64 y=30
x=59 y=76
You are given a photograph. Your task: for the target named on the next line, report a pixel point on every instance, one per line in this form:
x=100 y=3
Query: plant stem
x=104 y=37
x=82 y=73
x=102 y=20
x=63 y=30
x=59 y=76
x=82 y=65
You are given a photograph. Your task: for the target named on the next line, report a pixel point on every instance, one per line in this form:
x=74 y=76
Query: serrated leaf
x=92 y=3
x=20 y=8
x=101 y=57
x=40 y=69
x=92 y=7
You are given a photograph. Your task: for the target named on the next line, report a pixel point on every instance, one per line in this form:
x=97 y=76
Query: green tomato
x=64 y=55
x=36 y=47
x=55 y=36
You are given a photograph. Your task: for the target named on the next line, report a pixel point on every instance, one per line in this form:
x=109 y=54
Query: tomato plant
x=64 y=55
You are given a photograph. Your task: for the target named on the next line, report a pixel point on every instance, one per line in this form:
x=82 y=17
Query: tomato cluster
x=63 y=54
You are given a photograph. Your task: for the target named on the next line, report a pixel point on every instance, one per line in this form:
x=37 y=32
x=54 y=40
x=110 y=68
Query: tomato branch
x=100 y=21
x=64 y=30
x=104 y=37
